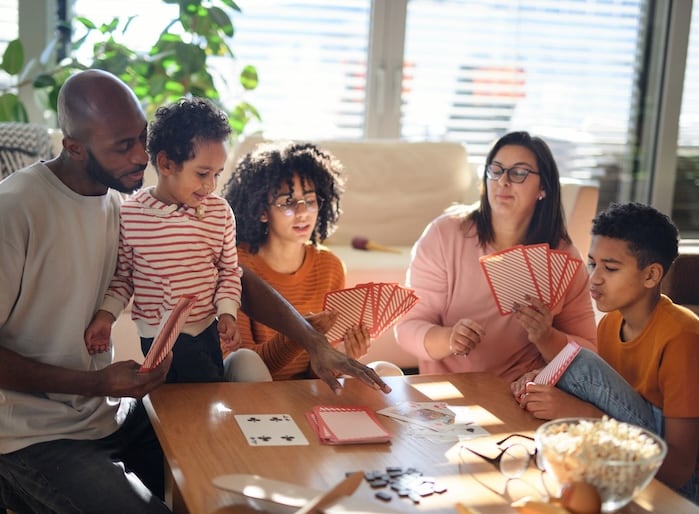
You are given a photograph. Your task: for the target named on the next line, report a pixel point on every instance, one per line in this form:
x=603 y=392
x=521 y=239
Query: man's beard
x=98 y=173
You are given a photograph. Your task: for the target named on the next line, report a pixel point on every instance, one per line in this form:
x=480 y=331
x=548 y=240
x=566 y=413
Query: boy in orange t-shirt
x=648 y=373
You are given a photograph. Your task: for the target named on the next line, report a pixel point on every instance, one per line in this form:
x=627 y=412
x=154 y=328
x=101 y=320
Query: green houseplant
x=177 y=64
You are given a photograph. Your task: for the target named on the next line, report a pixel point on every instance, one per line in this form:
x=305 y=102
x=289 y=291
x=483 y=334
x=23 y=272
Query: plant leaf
x=11 y=109
x=231 y=4
x=87 y=22
x=248 y=77
x=43 y=80
x=221 y=20
x=13 y=58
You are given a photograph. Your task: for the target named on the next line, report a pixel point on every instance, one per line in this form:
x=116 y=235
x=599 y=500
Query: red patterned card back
x=556 y=367
x=510 y=278
x=168 y=332
x=350 y=304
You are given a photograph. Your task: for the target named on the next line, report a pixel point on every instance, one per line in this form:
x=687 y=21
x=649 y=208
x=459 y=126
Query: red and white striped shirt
x=166 y=251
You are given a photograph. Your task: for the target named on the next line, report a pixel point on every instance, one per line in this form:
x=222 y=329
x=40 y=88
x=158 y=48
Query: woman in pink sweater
x=456 y=326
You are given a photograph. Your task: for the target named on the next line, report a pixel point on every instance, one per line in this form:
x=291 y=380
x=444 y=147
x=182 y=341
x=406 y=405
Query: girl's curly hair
x=261 y=173
x=179 y=125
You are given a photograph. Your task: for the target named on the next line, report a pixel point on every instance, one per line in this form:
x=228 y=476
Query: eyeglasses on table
x=513 y=458
x=516 y=452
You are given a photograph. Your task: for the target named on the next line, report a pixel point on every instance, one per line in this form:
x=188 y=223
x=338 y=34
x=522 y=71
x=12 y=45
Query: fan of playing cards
x=374 y=305
x=533 y=270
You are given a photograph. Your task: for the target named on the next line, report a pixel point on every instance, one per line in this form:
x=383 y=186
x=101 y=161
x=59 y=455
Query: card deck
x=533 y=270
x=377 y=306
x=270 y=430
x=346 y=425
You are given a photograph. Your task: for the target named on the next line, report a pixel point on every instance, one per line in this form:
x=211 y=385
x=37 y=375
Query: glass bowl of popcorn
x=618 y=459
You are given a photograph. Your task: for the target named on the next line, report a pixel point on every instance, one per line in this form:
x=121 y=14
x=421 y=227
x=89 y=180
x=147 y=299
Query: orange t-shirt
x=321 y=271
x=662 y=363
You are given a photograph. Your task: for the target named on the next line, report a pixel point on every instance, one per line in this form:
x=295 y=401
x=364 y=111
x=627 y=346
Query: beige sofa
x=394 y=189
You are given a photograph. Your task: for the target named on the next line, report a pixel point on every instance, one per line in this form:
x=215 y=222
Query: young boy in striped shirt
x=176 y=239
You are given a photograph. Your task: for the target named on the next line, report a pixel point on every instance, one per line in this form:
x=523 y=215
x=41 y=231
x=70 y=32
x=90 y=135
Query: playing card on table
x=376 y=306
x=270 y=430
x=432 y=415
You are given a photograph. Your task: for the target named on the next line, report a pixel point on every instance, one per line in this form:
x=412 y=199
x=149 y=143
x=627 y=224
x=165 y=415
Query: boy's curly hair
x=179 y=125
x=262 y=172
x=650 y=235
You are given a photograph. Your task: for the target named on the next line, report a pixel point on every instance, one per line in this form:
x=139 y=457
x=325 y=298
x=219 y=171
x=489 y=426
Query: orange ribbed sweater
x=321 y=271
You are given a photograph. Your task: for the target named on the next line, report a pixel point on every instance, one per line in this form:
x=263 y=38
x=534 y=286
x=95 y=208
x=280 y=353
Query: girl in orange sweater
x=286 y=199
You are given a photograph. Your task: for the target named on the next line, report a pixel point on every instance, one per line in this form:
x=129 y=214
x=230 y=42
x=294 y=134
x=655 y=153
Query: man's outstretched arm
x=264 y=304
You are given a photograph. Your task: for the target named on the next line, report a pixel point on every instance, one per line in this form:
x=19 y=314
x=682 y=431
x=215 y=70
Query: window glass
x=563 y=69
x=310 y=56
x=142 y=31
x=685 y=211
x=9 y=30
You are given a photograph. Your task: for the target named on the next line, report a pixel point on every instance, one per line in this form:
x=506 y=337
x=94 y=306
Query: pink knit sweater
x=447 y=276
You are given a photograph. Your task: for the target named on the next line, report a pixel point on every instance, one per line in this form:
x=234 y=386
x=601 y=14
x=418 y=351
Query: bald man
x=72 y=436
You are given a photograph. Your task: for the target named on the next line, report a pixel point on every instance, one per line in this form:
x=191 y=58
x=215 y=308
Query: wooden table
x=201 y=440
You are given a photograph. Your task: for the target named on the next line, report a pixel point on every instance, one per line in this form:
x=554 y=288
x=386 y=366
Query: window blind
x=311 y=57
x=562 y=69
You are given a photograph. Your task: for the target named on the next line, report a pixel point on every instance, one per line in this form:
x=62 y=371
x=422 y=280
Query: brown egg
x=581 y=498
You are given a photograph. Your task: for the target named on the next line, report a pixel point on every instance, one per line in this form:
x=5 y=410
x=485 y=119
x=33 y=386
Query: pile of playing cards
x=346 y=425
x=436 y=421
x=533 y=270
x=433 y=415
x=376 y=306
x=168 y=332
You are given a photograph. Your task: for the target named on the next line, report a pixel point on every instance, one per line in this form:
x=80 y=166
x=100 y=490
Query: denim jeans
x=115 y=474
x=591 y=379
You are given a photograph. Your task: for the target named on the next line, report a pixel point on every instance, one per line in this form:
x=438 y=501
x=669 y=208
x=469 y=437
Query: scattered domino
x=407 y=483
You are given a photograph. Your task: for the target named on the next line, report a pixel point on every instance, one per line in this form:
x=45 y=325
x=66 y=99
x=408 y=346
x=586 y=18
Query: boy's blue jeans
x=591 y=379
x=115 y=474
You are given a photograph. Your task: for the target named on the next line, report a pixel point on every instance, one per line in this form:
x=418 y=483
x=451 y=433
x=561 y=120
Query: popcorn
x=618 y=458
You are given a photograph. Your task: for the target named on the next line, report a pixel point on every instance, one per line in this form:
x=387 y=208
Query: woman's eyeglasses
x=291 y=206
x=515 y=174
x=513 y=459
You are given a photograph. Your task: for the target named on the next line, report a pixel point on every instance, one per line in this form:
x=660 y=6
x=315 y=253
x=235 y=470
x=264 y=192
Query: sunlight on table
x=438 y=390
